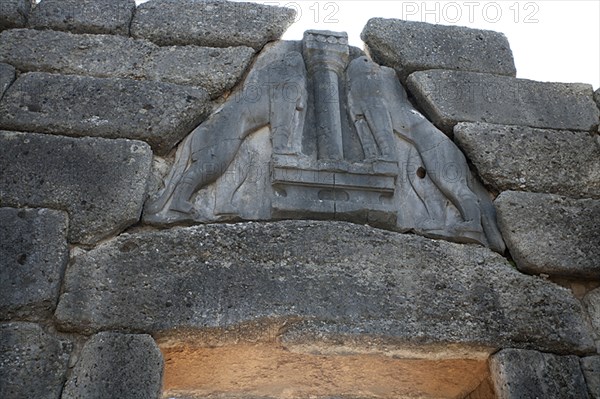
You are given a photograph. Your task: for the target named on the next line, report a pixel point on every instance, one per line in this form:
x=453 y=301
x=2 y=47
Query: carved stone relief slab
x=320 y=131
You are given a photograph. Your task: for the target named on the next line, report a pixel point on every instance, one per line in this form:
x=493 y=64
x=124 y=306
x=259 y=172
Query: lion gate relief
x=319 y=131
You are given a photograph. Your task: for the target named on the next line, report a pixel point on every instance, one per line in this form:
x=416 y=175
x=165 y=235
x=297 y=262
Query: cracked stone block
x=592 y=303
x=409 y=46
x=100 y=183
x=403 y=289
x=113 y=365
x=7 y=77
x=33 y=257
x=538 y=160
x=450 y=97
x=211 y=23
x=551 y=234
x=33 y=364
x=106 y=56
x=14 y=13
x=158 y=113
x=591 y=370
x=525 y=374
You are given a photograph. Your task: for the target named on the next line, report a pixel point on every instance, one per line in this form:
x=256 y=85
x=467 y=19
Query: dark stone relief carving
x=320 y=131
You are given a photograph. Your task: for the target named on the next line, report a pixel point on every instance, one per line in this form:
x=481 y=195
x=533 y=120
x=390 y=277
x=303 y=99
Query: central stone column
x=326 y=55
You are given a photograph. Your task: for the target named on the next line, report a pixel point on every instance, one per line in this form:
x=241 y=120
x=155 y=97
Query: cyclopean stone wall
x=94 y=98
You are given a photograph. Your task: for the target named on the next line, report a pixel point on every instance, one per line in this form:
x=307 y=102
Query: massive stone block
x=550 y=234
x=84 y=16
x=538 y=160
x=409 y=46
x=33 y=257
x=212 y=23
x=328 y=282
x=14 y=13
x=115 y=365
x=159 y=113
x=33 y=364
x=213 y=69
x=591 y=370
x=101 y=183
x=523 y=374
x=7 y=76
x=449 y=97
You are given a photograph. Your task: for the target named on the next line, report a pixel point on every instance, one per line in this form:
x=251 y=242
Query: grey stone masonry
x=523 y=374
x=84 y=16
x=337 y=281
x=597 y=97
x=212 y=23
x=159 y=113
x=14 y=13
x=409 y=46
x=213 y=69
x=33 y=364
x=7 y=77
x=113 y=365
x=551 y=234
x=527 y=159
x=449 y=97
x=101 y=183
x=591 y=370
x=33 y=257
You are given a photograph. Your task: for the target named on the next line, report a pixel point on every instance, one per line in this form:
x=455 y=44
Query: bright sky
x=551 y=40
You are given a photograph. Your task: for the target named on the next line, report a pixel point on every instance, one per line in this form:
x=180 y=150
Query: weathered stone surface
x=409 y=46
x=523 y=374
x=101 y=183
x=14 y=13
x=592 y=304
x=33 y=364
x=159 y=113
x=33 y=257
x=213 y=69
x=7 y=76
x=115 y=365
x=591 y=371
x=550 y=234
x=597 y=97
x=337 y=281
x=538 y=160
x=84 y=16
x=449 y=97
x=213 y=23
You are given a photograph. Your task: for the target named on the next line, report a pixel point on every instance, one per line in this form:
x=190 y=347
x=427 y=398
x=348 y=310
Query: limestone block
x=101 y=183
x=539 y=160
x=335 y=281
x=409 y=46
x=159 y=113
x=7 y=77
x=84 y=16
x=524 y=374
x=33 y=257
x=115 y=365
x=212 y=23
x=550 y=234
x=14 y=13
x=592 y=304
x=213 y=69
x=33 y=364
x=449 y=97
x=591 y=370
